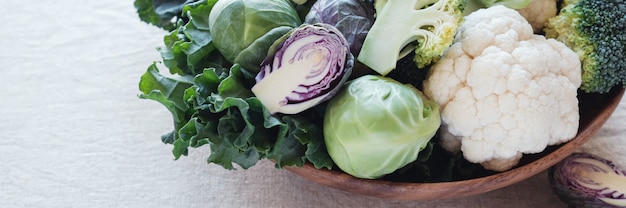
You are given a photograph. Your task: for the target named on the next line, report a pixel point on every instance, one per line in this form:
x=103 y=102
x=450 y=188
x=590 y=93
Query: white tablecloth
x=73 y=132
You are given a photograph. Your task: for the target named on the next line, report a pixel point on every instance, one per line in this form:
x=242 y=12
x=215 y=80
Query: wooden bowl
x=595 y=109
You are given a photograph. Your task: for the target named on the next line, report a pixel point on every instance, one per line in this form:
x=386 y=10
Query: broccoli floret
x=406 y=72
x=594 y=29
x=426 y=26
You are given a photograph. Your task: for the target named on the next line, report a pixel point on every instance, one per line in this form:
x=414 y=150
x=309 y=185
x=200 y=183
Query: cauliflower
x=503 y=90
x=538 y=12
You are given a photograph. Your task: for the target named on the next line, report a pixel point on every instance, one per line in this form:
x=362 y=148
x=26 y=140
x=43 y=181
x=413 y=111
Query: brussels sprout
x=305 y=67
x=585 y=180
x=376 y=125
x=243 y=30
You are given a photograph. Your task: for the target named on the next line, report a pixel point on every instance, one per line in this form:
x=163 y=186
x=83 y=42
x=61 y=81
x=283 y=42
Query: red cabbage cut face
x=584 y=180
x=305 y=67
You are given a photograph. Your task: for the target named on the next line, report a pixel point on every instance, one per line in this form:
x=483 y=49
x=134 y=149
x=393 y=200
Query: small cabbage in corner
x=376 y=125
x=585 y=180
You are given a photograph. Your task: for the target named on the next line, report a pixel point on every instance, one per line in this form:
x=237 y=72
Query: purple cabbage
x=304 y=68
x=353 y=18
x=585 y=180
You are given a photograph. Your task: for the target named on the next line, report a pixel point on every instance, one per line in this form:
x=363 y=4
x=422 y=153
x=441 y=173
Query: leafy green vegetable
x=243 y=30
x=189 y=48
x=161 y=13
x=363 y=146
x=217 y=108
x=167 y=91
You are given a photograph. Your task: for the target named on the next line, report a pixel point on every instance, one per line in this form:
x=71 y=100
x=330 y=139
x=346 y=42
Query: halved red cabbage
x=353 y=18
x=585 y=180
x=304 y=68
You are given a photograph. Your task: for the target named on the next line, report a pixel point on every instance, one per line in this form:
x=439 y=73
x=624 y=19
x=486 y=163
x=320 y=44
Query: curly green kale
x=215 y=108
x=162 y=13
x=594 y=29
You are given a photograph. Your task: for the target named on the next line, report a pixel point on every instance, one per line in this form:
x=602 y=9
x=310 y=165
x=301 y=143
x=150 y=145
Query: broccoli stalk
x=427 y=26
x=594 y=29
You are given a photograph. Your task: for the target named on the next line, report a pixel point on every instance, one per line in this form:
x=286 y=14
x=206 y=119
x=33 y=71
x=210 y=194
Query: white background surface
x=74 y=134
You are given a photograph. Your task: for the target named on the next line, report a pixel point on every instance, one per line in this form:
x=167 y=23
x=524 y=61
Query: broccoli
x=427 y=26
x=406 y=72
x=594 y=29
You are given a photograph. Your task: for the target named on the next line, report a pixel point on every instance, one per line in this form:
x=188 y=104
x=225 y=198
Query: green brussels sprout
x=376 y=125
x=243 y=30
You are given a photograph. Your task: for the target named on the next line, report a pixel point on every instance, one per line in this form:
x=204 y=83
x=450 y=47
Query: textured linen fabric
x=73 y=132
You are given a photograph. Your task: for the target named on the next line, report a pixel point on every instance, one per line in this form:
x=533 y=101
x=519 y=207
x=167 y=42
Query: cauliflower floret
x=538 y=12
x=504 y=91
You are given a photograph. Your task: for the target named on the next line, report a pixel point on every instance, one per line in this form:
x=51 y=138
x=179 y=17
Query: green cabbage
x=243 y=30
x=376 y=125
